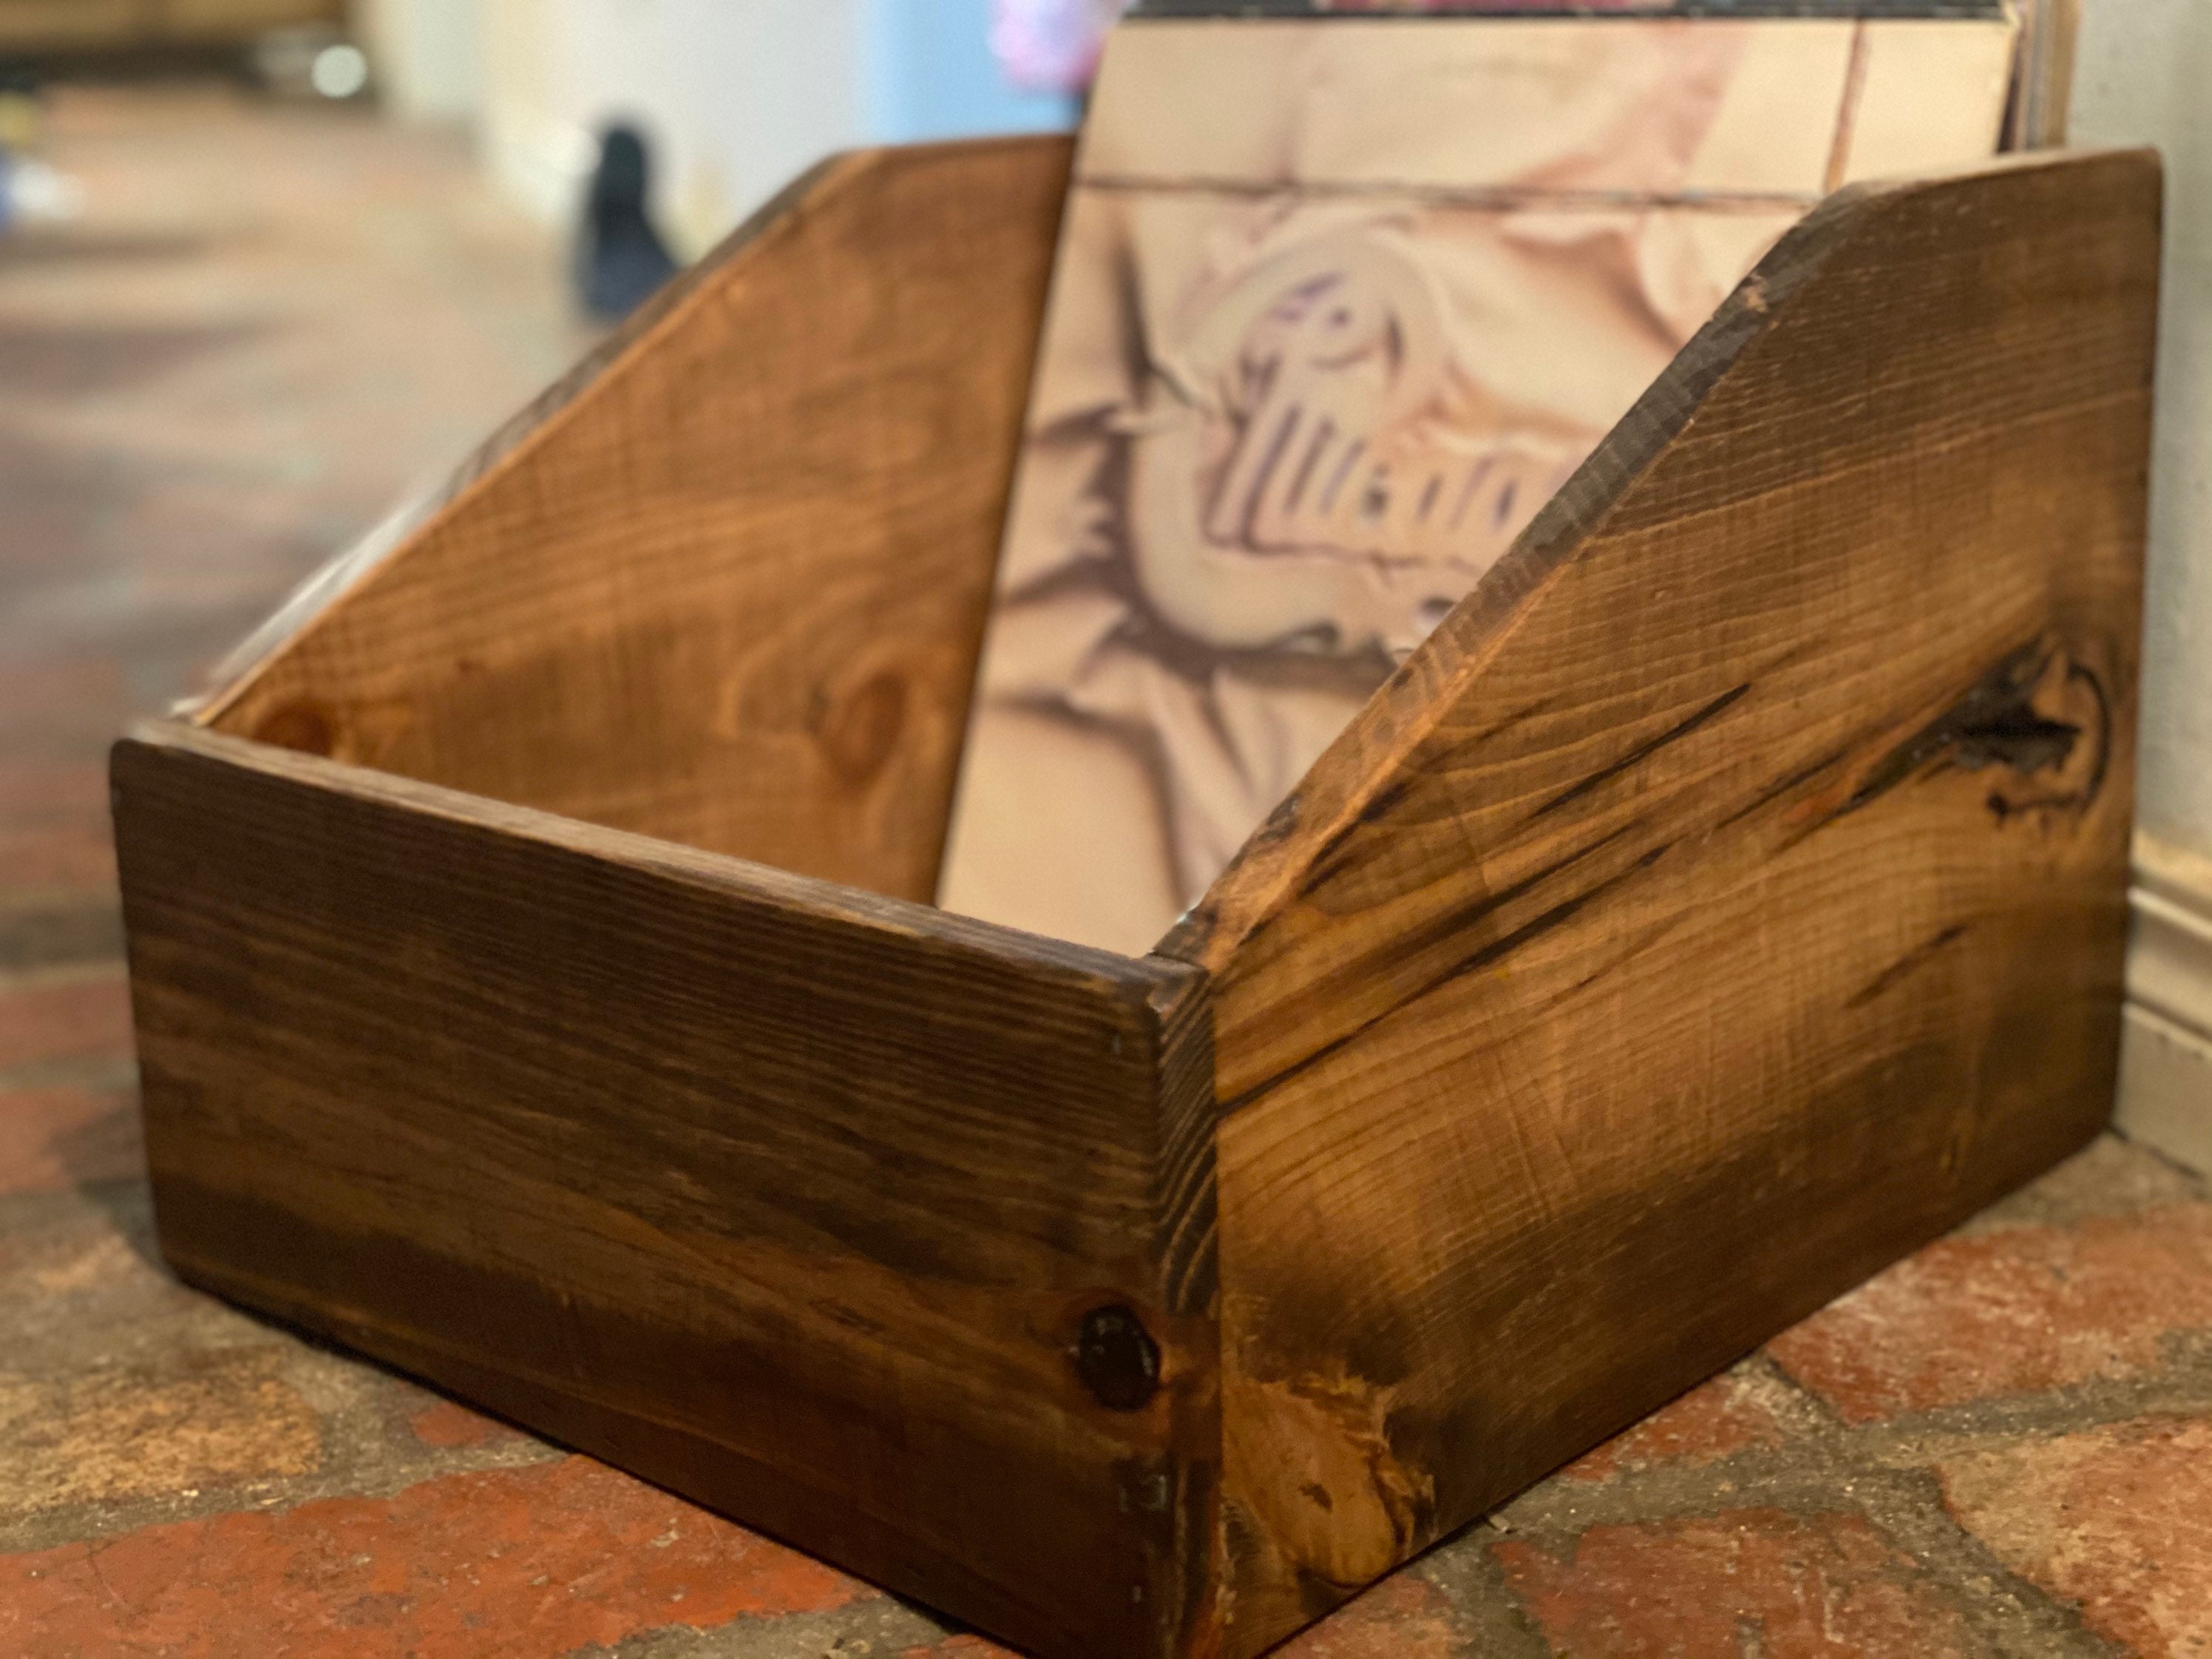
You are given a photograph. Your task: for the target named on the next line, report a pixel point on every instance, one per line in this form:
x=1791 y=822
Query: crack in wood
x=1527 y=934
x=1907 y=965
x=1643 y=753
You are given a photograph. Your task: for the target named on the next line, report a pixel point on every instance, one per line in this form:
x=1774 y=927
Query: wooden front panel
x=886 y=1232
x=1731 y=898
x=724 y=584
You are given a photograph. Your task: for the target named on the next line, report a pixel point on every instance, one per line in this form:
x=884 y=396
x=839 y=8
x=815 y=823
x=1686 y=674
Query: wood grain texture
x=1729 y=898
x=885 y=1232
x=725 y=587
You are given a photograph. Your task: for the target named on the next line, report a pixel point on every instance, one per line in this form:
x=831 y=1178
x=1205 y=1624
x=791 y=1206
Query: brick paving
x=273 y=322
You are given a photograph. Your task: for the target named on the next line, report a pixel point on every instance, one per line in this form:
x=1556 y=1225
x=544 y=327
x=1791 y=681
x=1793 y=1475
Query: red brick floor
x=272 y=322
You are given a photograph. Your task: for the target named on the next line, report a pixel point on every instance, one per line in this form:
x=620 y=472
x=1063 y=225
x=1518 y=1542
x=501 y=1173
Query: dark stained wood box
x=537 y=987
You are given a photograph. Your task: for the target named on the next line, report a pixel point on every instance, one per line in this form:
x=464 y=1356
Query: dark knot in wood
x=1117 y=1358
x=303 y=724
x=2036 y=714
x=859 y=730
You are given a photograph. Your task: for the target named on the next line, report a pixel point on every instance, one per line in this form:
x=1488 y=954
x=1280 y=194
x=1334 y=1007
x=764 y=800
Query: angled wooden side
x=1729 y=898
x=885 y=1232
x=725 y=584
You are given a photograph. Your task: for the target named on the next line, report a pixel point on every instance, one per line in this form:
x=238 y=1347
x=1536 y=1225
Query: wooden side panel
x=884 y=1232
x=1729 y=898
x=727 y=587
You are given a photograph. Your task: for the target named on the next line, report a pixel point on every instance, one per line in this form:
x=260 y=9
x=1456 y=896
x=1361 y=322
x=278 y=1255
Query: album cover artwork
x=1338 y=305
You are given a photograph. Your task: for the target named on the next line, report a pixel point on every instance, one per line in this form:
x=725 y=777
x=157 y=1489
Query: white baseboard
x=2166 y=1050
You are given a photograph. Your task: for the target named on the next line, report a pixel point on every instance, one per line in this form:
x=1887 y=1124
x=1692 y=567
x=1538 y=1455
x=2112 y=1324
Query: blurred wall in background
x=429 y=54
x=736 y=96
x=2142 y=78
x=931 y=75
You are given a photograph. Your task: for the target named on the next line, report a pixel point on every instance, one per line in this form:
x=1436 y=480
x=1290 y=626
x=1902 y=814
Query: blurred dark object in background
x=19 y=136
x=31 y=191
x=620 y=258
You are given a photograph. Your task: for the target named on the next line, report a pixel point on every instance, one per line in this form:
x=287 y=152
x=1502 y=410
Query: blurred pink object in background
x=1052 y=45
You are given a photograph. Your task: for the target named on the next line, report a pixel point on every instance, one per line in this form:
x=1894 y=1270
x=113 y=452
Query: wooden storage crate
x=537 y=989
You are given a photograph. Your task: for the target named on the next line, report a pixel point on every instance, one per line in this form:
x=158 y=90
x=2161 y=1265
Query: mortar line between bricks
x=2100 y=1402
x=1670 y=1491
x=103 y=1074
x=44 y=930
x=2014 y=1618
x=1998 y=1604
x=1489 y=1620
x=96 y=1522
x=120 y=1203
x=887 y=1626
x=18 y=902
x=2196 y=1177
x=62 y=974
x=1886 y=1473
x=381 y=1463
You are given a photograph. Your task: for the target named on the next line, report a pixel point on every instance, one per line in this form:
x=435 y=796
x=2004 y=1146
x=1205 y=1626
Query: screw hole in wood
x=1117 y=1358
